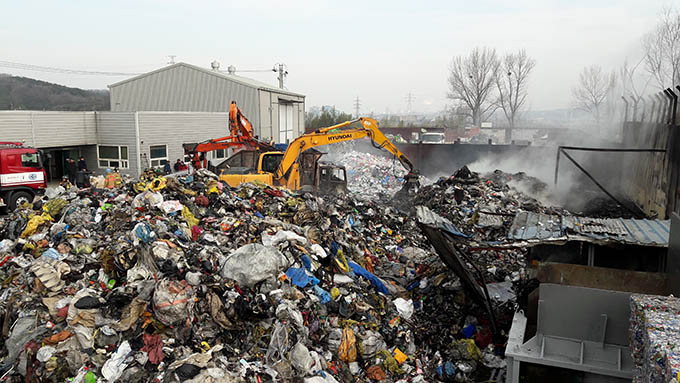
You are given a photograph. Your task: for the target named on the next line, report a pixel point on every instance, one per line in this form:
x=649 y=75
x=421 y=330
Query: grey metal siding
x=48 y=129
x=16 y=126
x=266 y=113
x=298 y=103
x=177 y=128
x=118 y=128
x=182 y=88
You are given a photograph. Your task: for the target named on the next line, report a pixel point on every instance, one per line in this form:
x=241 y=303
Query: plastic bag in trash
x=404 y=307
x=148 y=198
x=23 y=331
x=173 y=301
x=143 y=232
x=282 y=236
x=324 y=295
x=54 y=192
x=253 y=263
x=6 y=246
x=300 y=278
x=278 y=343
x=113 y=368
x=301 y=359
x=347 y=352
x=171 y=206
x=375 y=281
x=371 y=343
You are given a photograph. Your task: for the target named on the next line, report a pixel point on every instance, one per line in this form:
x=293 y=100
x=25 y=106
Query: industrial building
x=276 y=113
x=152 y=115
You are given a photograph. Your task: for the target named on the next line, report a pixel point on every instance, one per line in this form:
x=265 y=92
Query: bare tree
x=471 y=81
x=512 y=84
x=662 y=49
x=633 y=85
x=592 y=90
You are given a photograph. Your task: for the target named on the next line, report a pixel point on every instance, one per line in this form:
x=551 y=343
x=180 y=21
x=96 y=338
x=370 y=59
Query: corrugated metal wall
x=176 y=128
x=79 y=129
x=118 y=128
x=183 y=89
x=270 y=102
x=48 y=129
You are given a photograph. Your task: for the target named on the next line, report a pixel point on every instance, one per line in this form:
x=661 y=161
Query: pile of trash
x=483 y=207
x=186 y=279
x=371 y=176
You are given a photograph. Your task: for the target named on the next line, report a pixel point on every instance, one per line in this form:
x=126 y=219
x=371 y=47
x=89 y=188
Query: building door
x=285 y=123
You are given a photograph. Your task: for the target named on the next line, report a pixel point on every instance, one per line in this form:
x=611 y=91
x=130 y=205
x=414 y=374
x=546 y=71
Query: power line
x=409 y=101
x=357 y=105
x=252 y=70
x=38 y=68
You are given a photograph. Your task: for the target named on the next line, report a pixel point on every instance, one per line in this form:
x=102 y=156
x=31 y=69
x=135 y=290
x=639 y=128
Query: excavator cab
x=332 y=178
x=270 y=161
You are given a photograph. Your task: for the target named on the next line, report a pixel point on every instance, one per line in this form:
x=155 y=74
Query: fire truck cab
x=22 y=175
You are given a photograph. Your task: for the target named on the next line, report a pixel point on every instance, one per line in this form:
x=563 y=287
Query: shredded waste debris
x=654 y=336
x=370 y=176
x=183 y=278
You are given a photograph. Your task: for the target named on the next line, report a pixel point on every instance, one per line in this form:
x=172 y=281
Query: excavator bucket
x=410 y=188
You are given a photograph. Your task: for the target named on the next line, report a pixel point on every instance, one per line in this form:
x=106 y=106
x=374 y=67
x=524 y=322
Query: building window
x=113 y=157
x=158 y=155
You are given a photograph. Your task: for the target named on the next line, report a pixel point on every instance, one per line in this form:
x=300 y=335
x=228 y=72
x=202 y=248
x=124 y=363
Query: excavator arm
x=288 y=172
x=241 y=136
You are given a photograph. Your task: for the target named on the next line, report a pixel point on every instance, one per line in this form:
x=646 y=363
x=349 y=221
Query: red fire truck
x=22 y=175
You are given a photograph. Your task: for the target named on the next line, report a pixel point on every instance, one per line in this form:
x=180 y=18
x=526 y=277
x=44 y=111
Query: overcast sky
x=334 y=50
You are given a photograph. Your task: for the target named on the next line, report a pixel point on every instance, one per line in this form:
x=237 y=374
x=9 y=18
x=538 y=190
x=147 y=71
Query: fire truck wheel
x=19 y=198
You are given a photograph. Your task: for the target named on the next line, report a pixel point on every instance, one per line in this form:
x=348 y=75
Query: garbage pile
x=372 y=176
x=655 y=338
x=483 y=207
x=186 y=279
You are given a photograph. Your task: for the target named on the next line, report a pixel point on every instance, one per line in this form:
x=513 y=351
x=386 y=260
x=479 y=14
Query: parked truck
x=22 y=175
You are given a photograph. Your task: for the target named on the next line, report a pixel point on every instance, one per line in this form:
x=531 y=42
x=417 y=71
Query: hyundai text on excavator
x=299 y=168
x=241 y=136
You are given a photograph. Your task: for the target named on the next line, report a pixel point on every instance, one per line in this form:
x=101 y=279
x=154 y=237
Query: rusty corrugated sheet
x=543 y=228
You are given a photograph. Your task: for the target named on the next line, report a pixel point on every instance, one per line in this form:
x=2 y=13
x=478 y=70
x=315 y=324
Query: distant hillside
x=21 y=93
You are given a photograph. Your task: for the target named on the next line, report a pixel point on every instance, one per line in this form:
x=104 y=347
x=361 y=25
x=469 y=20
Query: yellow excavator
x=299 y=168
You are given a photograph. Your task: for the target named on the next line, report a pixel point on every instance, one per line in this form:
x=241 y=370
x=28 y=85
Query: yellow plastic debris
x=347 y=352
x=341 y=261
x=335 y=293
x=34 y=223
x=55 y=206
x=189 y=217
x=157 y=184
x=400 y=356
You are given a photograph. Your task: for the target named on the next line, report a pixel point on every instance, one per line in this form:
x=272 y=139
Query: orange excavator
x=241 y=137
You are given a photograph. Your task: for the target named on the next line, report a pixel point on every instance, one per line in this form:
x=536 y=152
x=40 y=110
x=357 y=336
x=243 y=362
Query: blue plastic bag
x=306 y=261
x=299 y=277
x=323 y=294
x=375 y=281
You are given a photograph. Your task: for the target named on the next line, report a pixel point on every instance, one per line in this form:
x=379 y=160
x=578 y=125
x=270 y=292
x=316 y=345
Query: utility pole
x=357 y=105
x=171 y=59
x=409 y=102
x=281 y=69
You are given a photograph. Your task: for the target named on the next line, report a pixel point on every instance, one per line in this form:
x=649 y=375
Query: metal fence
x=653 y=178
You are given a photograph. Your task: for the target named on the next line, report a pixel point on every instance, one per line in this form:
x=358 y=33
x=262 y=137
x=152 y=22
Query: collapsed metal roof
x=537 y=228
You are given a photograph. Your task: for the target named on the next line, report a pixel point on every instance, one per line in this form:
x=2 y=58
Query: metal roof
x=536 y=228
x=232 y=77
